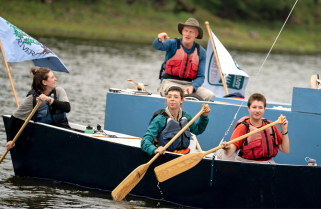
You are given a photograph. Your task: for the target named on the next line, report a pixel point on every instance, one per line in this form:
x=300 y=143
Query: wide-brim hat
x=194 y=23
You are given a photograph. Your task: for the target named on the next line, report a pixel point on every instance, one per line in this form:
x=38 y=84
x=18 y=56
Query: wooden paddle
x=138 y=87
x=21 y=129
x=314 y=82
x=186 y=162
x=135 y=176
x=197 y=144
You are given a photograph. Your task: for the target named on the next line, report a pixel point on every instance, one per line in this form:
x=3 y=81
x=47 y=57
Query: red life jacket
x=183 y=66
x=260 y=145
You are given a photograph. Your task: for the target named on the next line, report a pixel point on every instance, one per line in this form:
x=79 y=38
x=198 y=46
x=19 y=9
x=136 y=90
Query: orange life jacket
x=261 y=145
x=183 y=66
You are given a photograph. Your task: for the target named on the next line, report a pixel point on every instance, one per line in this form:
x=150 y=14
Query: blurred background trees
x=236 y=22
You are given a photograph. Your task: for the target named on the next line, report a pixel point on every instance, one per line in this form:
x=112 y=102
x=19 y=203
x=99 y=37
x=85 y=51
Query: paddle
x=21 y=129
x=197 y=144
x=135 y=176
x=138 y=86
x=314 y=81
x=186 y=162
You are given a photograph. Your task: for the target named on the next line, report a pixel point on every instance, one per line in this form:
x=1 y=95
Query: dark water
x=97 y=66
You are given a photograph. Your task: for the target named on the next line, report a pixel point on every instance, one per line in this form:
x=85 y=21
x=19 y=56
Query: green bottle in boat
x=89 y=130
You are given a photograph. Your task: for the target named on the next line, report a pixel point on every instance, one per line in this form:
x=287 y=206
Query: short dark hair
x=257 y=97
x=175 y=88
x=39 y=74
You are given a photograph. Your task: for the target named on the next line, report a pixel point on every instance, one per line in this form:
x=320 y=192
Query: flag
x=235 y=79
x=19 y=46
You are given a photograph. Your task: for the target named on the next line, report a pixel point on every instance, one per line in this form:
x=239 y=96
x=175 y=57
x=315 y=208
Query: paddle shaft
x=197 y=144
x=179 y=165
x=177 y=135
x=136 y=85
x=135 y=176
x=6 y=64
x=216 y=58
x=22 y=128
x=246 y=135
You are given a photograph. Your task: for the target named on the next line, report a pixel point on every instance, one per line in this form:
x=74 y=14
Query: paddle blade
x=129 y=182
x=177 y=166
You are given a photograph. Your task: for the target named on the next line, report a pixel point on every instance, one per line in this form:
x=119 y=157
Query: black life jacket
x=51 y=110
x=171 y=128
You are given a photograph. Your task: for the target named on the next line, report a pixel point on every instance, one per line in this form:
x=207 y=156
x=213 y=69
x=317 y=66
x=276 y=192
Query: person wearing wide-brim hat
x=184 y=63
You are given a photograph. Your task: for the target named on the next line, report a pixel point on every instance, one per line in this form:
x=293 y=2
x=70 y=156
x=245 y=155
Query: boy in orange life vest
x=260 y=147
x=184 y=63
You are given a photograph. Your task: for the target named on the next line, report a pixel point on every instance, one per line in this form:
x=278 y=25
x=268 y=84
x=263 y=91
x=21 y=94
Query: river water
x=96 y=66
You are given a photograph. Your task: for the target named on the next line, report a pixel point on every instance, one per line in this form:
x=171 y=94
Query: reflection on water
x=96 y=66
x=37 y=193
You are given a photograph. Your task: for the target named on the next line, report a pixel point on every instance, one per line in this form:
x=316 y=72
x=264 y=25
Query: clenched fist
x=162 y=37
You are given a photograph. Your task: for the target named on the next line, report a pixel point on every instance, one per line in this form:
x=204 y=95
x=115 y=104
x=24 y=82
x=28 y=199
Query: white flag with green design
x=235 y=78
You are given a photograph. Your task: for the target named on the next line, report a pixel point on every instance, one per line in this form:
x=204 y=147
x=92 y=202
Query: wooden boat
x=47 y=152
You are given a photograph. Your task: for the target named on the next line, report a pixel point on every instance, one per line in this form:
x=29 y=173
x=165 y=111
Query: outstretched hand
x=162 y=37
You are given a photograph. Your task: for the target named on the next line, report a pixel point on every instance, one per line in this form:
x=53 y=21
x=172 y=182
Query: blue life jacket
x=171 y=128
x=45 y=113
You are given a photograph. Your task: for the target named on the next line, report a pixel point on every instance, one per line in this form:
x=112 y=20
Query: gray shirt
x=25 y=108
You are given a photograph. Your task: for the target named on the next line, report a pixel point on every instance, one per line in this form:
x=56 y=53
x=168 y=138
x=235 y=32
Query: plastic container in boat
x=311 y=162
x=89 y=130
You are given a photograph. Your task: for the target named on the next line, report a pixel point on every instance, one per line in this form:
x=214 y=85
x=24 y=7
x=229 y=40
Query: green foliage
x=141 y=21
x=253 y=10
x=307 y=11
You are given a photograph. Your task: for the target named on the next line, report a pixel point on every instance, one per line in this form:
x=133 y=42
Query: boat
x=94 y=161
x=304 y=116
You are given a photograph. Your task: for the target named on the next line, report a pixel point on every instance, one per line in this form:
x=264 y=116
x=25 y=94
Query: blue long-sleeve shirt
x=170 y=46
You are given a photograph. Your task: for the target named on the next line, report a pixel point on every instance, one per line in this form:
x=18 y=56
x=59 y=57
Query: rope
x=258 y=73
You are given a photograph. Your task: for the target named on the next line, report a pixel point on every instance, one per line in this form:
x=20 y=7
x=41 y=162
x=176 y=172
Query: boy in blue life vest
x=260 y=147
x=184 y=63
x=167 y=122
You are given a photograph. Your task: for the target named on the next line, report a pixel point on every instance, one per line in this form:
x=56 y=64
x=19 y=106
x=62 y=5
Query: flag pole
x=5 y=62
x=217 y=61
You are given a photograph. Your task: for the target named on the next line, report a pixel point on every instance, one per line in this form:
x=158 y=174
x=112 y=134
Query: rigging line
x=259 y=71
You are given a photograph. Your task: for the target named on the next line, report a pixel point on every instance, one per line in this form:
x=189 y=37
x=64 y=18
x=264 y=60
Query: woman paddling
x=53 y=109
x=260 y=147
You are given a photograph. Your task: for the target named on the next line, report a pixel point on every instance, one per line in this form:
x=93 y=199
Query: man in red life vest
x=262 y=146
x=184 y=63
